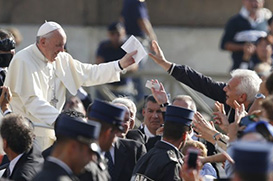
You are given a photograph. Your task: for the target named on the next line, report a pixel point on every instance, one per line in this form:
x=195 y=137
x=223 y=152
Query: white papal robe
x=34 y=81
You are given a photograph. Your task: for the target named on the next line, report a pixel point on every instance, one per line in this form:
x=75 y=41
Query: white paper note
x=133 y=44
x=149 y=84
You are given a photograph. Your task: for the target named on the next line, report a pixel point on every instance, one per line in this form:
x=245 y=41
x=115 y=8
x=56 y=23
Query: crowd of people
x=98 y=139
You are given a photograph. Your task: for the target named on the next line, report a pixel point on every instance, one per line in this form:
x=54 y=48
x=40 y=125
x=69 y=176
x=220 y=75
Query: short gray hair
x=128 y=103
x=185 y=98
x=249 y=82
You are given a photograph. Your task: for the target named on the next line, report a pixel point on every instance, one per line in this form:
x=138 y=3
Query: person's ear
x=42 y=41
x=143 y=111
x=132 y=124
x=108 y=132
x=184 y=136
x=243 y=98
x=5 y=144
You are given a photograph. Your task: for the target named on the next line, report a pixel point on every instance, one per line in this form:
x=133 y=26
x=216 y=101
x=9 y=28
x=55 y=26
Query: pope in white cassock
x=39 y=75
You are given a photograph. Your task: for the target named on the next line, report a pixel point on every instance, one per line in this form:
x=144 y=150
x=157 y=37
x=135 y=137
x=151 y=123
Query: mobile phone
x=245 y=121
x=192 y=158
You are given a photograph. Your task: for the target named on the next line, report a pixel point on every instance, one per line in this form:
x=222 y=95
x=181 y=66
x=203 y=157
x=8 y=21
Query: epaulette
x=140 y=177
x=102 y=165
x=100 y=161
x=172 y=155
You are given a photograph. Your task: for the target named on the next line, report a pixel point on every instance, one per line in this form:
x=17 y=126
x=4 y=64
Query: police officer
x=75 y=147
x=252 y=160
x=111 y=119
x=164 y=160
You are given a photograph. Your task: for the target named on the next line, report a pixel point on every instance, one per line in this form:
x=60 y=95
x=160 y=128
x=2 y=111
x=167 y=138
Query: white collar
x=39 y=54
x=261 y=14
x=112 y=152
x=147 y=132
x=170 y=144
x=60 y=163
x=13 y=163
x=1 y=68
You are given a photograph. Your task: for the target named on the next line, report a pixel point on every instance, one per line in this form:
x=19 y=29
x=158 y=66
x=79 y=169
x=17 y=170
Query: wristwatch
x=260 y=96
x=214 y=136
x=164 y=104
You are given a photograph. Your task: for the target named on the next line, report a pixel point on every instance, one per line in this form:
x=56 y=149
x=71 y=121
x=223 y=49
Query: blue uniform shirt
x=132 y=11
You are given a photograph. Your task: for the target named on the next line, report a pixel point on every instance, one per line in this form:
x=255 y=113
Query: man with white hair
x=133 y=134
x=40 y=74
x=242 y=87
x=130 y=105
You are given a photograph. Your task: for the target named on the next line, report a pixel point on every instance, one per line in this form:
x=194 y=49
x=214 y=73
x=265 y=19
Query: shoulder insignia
x=172 y=155
x=102 y=166
x=140 y=177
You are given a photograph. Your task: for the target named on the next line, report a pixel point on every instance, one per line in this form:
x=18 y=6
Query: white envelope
x=133 y=44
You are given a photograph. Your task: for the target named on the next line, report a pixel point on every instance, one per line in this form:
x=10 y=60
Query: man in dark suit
x=132 y=134
x=25 y=157
x=152 y=120
x=164 y=160
x=125 y=153
x=161 y=97
x=242 y=87
x=74 y=148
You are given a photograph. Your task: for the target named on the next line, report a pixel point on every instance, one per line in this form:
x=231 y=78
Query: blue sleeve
x=142 y=12
x=100 y=50
x=229 y=33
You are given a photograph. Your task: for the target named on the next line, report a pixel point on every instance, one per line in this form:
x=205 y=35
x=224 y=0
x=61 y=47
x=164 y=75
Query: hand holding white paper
x=150 y=84
x=133 y=44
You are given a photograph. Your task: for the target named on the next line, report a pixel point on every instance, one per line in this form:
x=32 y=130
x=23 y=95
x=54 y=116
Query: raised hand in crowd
x=220 y=116
x=248 y=49
x=205 y=129
x=160 y=95
x=159 y=57
x=5 y=98
x=240 y=111
x=235 y=127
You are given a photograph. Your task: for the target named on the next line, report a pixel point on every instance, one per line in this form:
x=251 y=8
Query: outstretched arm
x=159 y=57
x=127 y=60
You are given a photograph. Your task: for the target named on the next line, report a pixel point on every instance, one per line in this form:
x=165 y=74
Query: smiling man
x=40 y=74
x=242 y=87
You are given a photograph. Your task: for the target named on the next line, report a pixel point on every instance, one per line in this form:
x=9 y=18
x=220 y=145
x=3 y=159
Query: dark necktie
x=110 y=164
x=7 y=172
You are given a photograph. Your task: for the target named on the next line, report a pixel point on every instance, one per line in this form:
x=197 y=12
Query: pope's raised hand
x=127 y=60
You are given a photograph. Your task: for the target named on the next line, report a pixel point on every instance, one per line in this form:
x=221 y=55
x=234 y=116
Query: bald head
x=184 y=101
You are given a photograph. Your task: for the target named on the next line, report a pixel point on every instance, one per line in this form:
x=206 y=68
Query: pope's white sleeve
x=40 y=109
